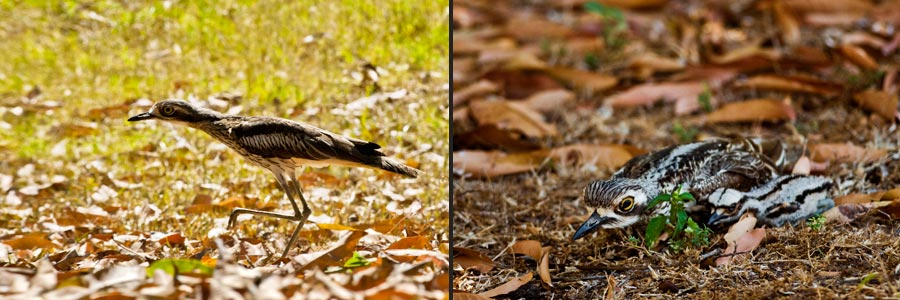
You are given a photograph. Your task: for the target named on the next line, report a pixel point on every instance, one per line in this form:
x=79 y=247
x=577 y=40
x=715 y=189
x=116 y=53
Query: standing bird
x=786 y=199
x=280 y=146
x=700 y=167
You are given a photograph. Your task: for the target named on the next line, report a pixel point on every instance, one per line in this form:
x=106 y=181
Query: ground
x=520 y=190
x=97 y=199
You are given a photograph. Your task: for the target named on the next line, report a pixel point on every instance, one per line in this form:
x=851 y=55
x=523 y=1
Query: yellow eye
x=168 y=110
x=627 y=204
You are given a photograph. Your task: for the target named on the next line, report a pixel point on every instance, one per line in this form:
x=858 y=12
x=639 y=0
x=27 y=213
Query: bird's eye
x=168 y=110
x=627 y=204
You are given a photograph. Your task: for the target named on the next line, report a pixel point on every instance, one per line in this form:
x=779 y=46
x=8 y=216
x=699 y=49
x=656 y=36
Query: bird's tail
x=391 y=165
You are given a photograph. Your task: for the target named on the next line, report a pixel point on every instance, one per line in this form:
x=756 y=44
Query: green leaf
x=704 y=99
x=682 y=218
x=687 y=196
x=179 y=265
x=654 y=229
x=356 y=261
x=657 y=200
x=866 y=279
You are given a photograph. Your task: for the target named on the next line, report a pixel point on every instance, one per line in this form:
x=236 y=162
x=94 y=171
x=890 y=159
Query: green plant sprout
x=682 y=229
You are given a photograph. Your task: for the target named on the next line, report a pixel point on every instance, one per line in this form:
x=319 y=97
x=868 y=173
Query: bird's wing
x=743 y=171
x=271 y=137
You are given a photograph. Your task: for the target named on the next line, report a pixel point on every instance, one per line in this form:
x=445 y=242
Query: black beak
x=592 y=223
x=141 y=117
x=714 y=218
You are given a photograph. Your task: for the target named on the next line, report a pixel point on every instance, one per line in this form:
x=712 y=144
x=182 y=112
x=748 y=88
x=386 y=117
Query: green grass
x=289 y=59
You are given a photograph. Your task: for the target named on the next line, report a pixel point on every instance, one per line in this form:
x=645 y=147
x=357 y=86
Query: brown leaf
x=337 y=253
x=172 y=239
x=507 y=287
x=745 y=53
x=468 y=258
x=491 y=137
x=334 y=227
x=603 y=156
x=529 y=248
x=511 y=116
x=858 y=56
x=745 y=243
x=882 y=103
x=892 y=210
x=754 y=110
x=738 y=229
x=846 y=213
x=791 y=84
x=468 y=296
x=857 y=198
x=479 y=88
x=828 y=6
x=496 y=163
x=544 y=267
x=30 y=241
x=550 y=100
x=531 y=27
x=787 y=22
x=844 y=153
x=647 y=63
x=411 y=242
x=802 y=166
x=583 y=79
x=649 y=93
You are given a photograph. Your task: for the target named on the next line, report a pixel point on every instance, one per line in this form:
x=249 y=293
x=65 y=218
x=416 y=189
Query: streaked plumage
x=786 y=199
x=701 y=167
x=280 y=146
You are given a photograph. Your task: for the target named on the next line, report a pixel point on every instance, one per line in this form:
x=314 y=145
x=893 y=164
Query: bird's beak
x=592 y=223
x=714 y=218
x=141 y=117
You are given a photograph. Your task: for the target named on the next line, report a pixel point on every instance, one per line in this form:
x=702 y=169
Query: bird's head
x=726 y=205
x=177 y=111
x=616 y=203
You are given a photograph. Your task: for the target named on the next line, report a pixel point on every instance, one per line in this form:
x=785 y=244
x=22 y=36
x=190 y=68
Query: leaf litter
x=813 y=74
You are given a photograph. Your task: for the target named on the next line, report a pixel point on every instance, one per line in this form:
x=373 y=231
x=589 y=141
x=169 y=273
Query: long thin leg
x=302 y=216
x=284 y=187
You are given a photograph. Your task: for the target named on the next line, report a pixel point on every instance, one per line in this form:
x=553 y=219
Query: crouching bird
x=786 y=199
x=280 y=146
x=700 y=168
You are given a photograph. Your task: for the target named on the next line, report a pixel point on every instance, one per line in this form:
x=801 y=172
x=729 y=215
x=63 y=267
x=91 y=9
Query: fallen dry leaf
x=802 y=166
x=544 y=267
x=754 y=110
x=791 y=84
x=882 y=103
x=828 y=6
x=511 y=116
x=531 y=27
x=787 y=22
x=842 y=214
x=583 y=79
x=604 y=156
x=412 y=242
x=857 y=198
x=746 y=243
x=30 y=241
x=482 y=87
x=496 y=163
x=844 y=153
x=858 y=56
x=469 y=296
x=530 y=248
x=746 y=223
x=550 y=100
x=508 y=287
x=468 y=258
x=340 y=250
x=649 y=93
